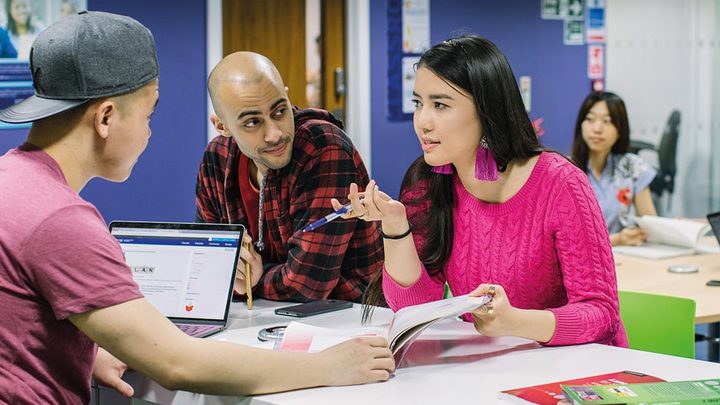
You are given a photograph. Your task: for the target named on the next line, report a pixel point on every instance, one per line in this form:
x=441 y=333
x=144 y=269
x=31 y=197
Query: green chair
x=659 y=323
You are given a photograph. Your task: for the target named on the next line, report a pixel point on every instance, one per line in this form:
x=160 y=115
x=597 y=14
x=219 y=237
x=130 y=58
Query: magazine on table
x=670 y=392
x=551 y=393
x=405 y=326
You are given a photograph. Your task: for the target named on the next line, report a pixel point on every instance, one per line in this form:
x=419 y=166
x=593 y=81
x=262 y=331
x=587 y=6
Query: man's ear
x=219 y=126
x=105 y=113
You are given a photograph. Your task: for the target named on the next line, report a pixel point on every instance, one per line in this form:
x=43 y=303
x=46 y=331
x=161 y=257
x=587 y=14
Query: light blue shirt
x=623 y=177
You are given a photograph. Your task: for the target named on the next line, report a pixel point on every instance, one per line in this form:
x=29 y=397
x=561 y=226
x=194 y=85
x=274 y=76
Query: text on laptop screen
x=183 y=273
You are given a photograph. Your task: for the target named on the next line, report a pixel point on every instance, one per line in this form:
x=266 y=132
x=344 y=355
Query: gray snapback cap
x=84 y=57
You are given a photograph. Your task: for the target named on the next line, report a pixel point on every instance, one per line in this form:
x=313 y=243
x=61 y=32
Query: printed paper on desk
x=406 y=324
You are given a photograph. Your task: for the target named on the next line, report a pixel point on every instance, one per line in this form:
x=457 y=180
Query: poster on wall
x=408 y=37
x=416 y=26
x=596 y=65
x=20 y=22
x=408 y=81
x=595 y=22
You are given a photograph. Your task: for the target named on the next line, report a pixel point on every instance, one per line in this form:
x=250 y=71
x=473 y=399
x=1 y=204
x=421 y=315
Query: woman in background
x=492 y=212
x=21 y=26
x=619 y=179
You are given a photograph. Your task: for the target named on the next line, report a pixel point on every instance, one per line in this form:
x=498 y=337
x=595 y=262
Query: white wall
x=357 y=77
x=715 y=141
x=214 y=50
x=662 y=55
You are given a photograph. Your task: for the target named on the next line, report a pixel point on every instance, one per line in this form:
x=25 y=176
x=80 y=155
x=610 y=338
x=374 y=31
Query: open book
x=406 y=324
x=667 y=237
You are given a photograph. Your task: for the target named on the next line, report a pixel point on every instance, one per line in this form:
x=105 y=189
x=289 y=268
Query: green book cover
x=660 y=393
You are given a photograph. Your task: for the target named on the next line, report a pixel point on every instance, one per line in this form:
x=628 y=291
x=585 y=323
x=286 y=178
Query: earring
x=444 y=169
x=485 y=165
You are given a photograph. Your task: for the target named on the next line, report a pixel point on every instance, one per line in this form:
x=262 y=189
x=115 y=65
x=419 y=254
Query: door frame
x=357 y=45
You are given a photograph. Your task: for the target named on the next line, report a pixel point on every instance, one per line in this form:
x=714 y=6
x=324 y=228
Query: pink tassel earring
x=485 y=165
x=444 y=169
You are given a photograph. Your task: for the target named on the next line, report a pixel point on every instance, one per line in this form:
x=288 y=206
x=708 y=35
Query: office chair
x=659 y=323
x=667 y=157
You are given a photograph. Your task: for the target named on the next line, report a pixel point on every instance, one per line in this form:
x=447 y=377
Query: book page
x=405 y=325
x=301 y=337
x=409 y=317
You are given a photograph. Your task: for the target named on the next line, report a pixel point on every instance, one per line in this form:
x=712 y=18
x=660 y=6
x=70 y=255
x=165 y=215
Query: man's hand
x=248 y=255
x=109 y=371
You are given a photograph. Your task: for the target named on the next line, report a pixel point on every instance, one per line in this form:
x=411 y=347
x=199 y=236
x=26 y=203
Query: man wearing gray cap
x=64 y=284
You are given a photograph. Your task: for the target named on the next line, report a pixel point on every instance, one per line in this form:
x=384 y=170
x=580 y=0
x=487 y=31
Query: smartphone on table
x=313 y=308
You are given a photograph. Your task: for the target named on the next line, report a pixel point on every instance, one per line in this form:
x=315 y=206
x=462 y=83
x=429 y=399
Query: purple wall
x=533 y=46
x=162 y=185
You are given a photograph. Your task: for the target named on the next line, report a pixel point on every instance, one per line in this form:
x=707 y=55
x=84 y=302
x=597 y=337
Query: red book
x=551 y=393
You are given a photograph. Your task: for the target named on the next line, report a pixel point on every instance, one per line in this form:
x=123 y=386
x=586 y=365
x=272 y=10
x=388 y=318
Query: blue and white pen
x=337 y=214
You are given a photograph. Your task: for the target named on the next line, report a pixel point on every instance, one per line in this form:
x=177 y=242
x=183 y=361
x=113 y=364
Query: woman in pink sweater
x=492 y=212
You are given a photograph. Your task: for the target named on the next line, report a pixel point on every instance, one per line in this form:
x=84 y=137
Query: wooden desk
x=652 y=276
x=450 y=363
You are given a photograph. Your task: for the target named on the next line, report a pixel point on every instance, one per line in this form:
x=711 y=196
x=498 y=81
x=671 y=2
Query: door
x=276 y=29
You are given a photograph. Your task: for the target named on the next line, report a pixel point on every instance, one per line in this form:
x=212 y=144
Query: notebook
x=185 y=270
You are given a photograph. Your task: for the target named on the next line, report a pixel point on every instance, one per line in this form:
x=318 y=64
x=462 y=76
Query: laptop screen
x=714 y=220
x=185 y=270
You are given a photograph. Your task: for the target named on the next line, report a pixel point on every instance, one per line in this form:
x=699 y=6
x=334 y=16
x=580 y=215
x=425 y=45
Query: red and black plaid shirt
x=334 y=261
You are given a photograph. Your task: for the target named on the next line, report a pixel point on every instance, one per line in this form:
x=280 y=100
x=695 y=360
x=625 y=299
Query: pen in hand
x=337 y=214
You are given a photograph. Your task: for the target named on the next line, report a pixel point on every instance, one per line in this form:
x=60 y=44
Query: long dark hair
x=12 y=25
x=475 y=65
x=618 y=115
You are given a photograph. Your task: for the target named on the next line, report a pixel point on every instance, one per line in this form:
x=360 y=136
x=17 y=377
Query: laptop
x=714 y=220
x=185 y=270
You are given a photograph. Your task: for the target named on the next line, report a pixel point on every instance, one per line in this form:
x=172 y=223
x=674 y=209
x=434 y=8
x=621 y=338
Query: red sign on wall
x=596 y=64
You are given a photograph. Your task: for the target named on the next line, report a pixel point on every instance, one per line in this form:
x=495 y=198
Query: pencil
x=248 y=281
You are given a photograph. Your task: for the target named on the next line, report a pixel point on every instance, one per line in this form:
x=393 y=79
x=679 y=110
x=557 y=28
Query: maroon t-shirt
x=56 y=259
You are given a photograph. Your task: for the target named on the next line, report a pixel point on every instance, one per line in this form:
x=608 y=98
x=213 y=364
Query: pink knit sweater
x=548 y=246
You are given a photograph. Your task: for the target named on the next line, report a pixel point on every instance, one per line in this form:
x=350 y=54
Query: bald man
x=275 y=169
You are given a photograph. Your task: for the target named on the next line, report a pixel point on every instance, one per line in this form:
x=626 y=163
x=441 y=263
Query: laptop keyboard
x=196 y=330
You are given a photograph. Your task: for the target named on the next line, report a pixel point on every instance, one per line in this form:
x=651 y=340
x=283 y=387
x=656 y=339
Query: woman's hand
x=376 y=206
x=497 y=317
x=401 y=258
x=248 y=255
x=629 y=236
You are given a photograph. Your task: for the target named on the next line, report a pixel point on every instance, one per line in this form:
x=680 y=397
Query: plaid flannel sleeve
x=209 y=186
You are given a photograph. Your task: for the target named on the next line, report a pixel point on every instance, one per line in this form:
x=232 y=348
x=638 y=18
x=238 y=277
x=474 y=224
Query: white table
x=450 y=363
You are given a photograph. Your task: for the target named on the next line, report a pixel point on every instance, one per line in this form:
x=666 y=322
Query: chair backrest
x=659 y=323
x=667 y=155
